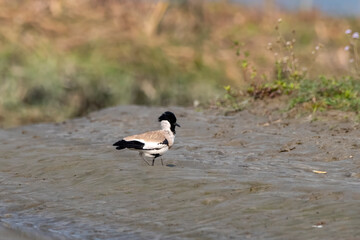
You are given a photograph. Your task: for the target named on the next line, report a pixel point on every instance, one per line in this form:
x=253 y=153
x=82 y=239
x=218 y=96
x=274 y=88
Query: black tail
x=128 y=144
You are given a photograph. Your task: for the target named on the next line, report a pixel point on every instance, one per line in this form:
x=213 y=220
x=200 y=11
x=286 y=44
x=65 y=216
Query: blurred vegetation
x=306 y=93
x=62 y=58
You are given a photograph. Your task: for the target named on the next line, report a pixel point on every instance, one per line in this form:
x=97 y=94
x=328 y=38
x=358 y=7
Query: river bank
x=237 y=176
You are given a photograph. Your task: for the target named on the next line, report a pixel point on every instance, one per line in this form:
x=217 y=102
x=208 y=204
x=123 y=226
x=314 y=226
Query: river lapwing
x=155 y=143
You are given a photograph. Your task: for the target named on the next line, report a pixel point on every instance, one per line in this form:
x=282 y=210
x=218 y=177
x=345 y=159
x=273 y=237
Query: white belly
x=151 y=153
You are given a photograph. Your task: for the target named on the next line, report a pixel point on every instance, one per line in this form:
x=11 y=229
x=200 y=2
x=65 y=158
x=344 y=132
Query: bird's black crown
x=169 y=116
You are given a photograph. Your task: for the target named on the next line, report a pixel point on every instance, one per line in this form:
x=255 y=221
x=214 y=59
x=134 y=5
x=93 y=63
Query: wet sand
x=9 y=234
x=242 y=176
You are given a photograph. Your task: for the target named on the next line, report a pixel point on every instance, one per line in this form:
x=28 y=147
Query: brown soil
x=253 y=174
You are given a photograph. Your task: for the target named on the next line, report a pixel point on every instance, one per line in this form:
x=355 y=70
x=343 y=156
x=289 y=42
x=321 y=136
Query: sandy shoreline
x=9 y=234
x=238 y=176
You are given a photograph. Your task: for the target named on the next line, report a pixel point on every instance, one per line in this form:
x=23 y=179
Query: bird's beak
x=177 y=125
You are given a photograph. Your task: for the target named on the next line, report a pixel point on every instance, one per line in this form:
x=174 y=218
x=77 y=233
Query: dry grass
x=61 y=59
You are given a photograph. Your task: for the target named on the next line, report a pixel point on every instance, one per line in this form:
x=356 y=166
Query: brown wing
x=153 y=136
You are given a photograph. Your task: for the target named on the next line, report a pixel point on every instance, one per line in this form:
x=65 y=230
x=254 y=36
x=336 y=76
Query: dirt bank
x=239 y=176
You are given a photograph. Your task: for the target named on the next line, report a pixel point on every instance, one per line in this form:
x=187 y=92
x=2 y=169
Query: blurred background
x=61 y=59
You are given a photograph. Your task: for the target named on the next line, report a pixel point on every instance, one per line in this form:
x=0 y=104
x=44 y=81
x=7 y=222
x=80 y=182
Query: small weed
x=249 y=71
x=231 y=99
x=353 y=49
x=287 y=66
x=288 y=71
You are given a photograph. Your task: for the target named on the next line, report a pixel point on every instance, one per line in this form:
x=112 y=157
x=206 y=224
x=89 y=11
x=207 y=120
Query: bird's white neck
x=165 y=125
x=169 y=135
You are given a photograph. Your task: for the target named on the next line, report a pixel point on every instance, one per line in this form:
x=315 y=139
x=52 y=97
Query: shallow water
x=229 y=177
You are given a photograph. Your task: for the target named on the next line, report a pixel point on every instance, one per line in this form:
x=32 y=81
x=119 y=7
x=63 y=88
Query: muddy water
x=235 y=177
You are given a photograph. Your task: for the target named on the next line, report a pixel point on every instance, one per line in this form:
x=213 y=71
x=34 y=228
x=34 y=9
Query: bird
x=152 y=144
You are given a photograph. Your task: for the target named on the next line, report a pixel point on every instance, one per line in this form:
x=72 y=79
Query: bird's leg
x=161 y=161
x=153 y=161
x=142 y=156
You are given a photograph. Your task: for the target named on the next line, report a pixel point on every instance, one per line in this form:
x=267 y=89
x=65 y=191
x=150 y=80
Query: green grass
x=328 y=93
x=306 y=94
